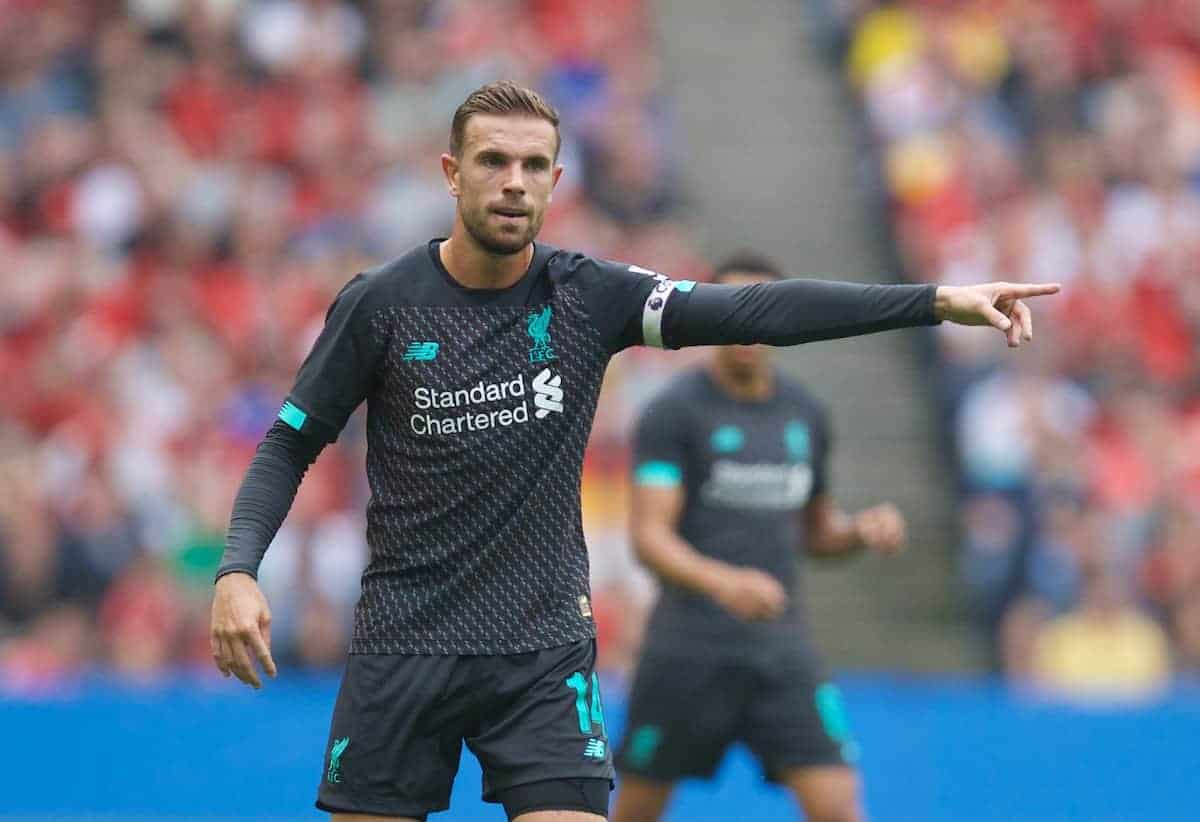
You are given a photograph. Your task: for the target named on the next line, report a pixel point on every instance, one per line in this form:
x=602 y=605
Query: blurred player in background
x=730 y=485
x=480 y=357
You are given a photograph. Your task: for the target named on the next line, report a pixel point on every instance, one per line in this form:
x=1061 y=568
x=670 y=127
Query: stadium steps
x=771 y=157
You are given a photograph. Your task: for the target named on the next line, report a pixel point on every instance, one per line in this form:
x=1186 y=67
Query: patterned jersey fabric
x=479 y=408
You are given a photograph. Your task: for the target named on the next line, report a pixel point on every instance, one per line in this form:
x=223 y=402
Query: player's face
x=743 y=361
x=504 y=179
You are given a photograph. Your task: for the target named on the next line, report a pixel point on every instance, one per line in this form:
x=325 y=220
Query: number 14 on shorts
x=590 y=712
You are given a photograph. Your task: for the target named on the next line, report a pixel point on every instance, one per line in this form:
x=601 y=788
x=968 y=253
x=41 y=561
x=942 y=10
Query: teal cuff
x=658 y=473
x=293 y=416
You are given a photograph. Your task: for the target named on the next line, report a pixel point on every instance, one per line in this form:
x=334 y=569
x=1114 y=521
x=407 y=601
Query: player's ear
x=450 y=170
x=558 y=170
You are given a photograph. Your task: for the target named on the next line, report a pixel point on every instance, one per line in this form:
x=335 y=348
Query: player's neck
x=753 y=386
x=473 y=266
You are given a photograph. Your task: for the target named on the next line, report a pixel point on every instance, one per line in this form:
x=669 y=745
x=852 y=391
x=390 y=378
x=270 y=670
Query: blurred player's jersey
x=748 y=469
x=479 y=407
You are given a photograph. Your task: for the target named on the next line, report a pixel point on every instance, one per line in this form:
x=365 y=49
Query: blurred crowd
x=184 y=185
x=1057 y=140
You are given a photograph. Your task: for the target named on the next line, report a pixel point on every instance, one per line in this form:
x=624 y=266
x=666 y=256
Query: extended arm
x=798 y=311
x=789 y=312
x=631 y=305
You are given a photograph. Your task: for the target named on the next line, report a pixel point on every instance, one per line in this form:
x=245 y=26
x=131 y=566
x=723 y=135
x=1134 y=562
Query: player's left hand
x=881 y=529
x=996 y=304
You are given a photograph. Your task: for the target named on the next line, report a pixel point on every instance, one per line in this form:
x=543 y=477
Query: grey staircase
x=770 y=162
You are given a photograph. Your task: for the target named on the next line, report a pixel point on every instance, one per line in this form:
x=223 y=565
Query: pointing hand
x=996 y=304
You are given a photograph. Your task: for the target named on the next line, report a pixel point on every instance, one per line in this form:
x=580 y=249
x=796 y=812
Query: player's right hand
x=241 y=628
x=750 y=594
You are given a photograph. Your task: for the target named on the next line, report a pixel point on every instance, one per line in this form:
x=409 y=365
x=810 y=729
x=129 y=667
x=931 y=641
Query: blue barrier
x=932 y=750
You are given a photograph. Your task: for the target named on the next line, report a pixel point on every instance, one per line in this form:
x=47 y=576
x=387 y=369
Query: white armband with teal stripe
x=656 y=305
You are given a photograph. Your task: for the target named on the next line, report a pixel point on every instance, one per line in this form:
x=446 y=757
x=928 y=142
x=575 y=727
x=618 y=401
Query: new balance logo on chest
x=421 y=351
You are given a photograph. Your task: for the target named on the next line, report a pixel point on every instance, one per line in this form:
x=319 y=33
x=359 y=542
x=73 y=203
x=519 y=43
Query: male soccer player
x=729 y=484
x=480 y=358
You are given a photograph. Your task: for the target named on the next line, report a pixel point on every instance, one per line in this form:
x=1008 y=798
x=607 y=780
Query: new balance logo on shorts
x=595 y=749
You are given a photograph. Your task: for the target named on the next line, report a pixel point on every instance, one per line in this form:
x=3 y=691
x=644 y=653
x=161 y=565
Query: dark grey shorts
x=400 y=722
x=685 y=712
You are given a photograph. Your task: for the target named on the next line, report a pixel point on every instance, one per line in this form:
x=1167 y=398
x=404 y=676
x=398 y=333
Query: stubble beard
x=499 y=245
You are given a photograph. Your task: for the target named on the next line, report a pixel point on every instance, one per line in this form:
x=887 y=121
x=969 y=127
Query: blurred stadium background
x=184 y=184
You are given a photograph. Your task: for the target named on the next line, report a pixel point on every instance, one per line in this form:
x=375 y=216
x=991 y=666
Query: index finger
x=242 y=667
x=1023 y=290
x=259 y=646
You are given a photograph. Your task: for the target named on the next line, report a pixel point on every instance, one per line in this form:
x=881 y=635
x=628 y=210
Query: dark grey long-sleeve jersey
x=479 y=407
